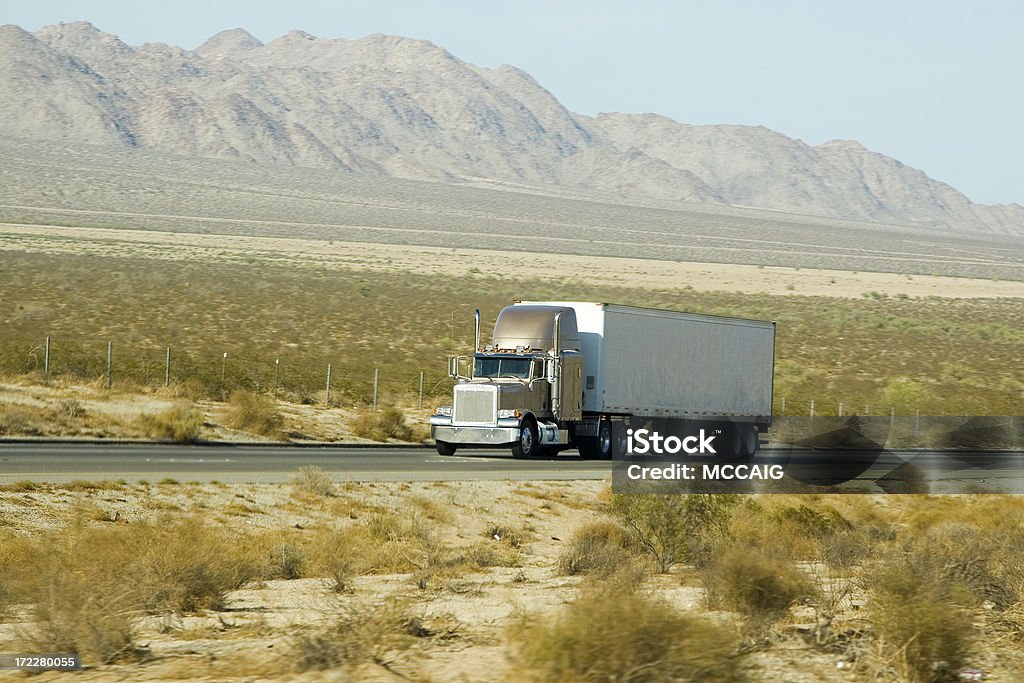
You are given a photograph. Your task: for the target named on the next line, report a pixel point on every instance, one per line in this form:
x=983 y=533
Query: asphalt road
x=889 y=471
x=274 y=464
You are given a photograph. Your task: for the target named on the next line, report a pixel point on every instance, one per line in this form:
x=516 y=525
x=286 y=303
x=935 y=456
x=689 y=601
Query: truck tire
x=751 y=441
x=528 y=445
x=445 y=448
x=605 y=440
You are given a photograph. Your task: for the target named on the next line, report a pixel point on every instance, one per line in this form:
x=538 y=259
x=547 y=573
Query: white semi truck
x=567 y=374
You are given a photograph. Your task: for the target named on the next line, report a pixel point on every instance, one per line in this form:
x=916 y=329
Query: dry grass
x=381 y=425
x=616 y=634
x=672 y=528
x=757 y=585
x=255 y=413
x=921 y=614
x=312 y=480
x=183 y=423
x=599 y=548
x=381 y=633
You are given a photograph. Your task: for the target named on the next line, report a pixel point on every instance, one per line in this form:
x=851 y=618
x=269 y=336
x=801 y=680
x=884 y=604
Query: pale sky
x=936 y=84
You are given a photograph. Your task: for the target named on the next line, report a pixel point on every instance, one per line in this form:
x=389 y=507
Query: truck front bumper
x=477 y=436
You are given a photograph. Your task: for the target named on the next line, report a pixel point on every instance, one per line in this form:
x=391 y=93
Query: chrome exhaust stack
x=476 y=346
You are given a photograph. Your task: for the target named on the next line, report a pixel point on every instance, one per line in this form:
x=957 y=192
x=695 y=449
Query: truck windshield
x=493 y=368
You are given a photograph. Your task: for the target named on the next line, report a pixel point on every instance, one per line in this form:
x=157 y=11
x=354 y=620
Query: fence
x=301 y=378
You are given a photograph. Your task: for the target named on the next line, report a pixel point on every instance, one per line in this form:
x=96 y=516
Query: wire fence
x=300 y=378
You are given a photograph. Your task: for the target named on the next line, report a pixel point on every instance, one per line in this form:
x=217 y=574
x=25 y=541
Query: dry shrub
x=18 y=420
x=363 y=632
x=505 y=534
x=799 y=529
x=759 y=586
x=674 y=527
x=386 y=423
x=600 y=548
x=611 y=633
x=89 y=586
x=286 y=561
x=442 y=563
x=255 y=413
x=923 y=627
x=311 y=480
x=186 y=565
x=183 y=423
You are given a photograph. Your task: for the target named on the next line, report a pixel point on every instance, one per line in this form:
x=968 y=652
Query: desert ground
x=478 y=581
x=597 y=270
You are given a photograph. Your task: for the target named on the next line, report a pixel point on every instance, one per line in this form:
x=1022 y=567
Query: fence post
x=783 y=405
x=917 y=421
x=840 y=409
x=327 y=399
x=167 y=369
x=223 y=367
x=375 y=377
x=277 y=373
x=110 y=363
x=46 y=360
x=812 y=407
x=867 y=408
x=892 y=416
x=421 y=391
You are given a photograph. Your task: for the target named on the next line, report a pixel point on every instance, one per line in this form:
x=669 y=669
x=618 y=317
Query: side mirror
x=453 y=367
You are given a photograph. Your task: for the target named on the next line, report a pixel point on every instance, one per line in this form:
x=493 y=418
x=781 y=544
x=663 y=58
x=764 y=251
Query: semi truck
x=564 y=374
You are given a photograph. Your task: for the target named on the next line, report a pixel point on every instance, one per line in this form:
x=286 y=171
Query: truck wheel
x=605 y=440
x=528 y=445
x=445 y=448
x=751 y=441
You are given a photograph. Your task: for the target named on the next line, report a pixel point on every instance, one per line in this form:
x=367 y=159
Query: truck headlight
x=507 y=412
x=444 y=411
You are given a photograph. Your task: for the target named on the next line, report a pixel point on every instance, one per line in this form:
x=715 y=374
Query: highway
x=62 y=462
x=893 y=471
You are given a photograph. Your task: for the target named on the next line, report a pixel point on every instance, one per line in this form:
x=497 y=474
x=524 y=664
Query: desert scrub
x=362 y=632
x=920 y=616
x=256 y=413
x=312 y=480
x=386 y=423
x=183 y=422
x=758 y=585
x=89 y=586
x=616 y=634
x=674 y=527
x=600 y=548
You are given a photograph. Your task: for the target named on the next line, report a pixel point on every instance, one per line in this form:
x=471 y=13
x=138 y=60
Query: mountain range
x=391 y=106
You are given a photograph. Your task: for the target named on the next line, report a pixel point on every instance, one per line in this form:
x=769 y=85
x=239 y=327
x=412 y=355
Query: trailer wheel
x=528 y=445
x=751 y=441
x=445 y=448
x=605 y=440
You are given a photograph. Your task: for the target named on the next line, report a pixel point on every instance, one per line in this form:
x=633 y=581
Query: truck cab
x=522 y=391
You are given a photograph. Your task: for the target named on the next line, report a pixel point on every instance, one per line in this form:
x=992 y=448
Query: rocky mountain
x=392 y=106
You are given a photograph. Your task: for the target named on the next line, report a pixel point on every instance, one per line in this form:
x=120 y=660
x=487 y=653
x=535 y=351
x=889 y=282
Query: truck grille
x=476 y=405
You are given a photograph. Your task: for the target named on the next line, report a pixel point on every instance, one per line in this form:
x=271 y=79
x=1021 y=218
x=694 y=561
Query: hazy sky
x=937 y=84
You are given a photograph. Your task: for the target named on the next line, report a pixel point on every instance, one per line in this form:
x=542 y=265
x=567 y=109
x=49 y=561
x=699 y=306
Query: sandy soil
x=649 y=274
